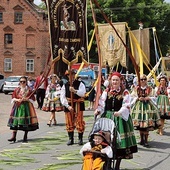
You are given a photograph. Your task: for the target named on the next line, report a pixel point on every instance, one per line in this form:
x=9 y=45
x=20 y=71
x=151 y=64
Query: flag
x=143 y=39
x=112 y=49
x=68 y=33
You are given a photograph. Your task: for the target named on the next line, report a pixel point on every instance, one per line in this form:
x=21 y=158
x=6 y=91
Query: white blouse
x=124 y=110
x=107 y=150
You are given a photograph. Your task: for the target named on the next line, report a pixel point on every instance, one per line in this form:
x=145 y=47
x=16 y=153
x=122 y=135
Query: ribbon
x=127 y=49
x=97 y=38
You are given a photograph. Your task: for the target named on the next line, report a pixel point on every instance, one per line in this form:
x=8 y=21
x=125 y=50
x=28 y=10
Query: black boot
x=71 y=138
x=80 y=142
x=146 y=141
x=25 y=137
x=13 y=139
x=142 y=142
x=117 y=166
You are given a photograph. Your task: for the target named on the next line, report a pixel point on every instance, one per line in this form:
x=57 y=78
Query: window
x=1 y=17
x=8 y=38
x=30 y=65
x=18 y=17
x=7 y=64
x=8 y=41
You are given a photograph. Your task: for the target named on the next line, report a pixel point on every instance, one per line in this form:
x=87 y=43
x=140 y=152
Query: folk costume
x=145 y=114
x=52 y=98
x=117 y=101
x=163 y=103
x=23 y=116
x=74 y=118
x=96 y=160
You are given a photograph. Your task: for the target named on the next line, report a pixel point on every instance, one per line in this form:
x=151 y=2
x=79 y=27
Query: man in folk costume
x=72 y=98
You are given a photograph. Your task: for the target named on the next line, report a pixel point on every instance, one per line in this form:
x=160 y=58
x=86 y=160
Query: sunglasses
x=143 y=79
x=22 y=81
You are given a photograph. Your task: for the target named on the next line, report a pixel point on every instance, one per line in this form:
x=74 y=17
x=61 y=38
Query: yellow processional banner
x=141 y=38
x=112 y=49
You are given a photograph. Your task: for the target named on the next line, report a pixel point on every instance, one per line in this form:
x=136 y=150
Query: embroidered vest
x=76 y=85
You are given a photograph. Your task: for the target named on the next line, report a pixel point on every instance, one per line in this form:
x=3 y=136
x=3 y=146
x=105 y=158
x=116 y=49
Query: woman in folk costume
x=96 y=152
x=163 y=101
x=114 y=103
x=145 y=114
x=52 y=99
x=23 y=116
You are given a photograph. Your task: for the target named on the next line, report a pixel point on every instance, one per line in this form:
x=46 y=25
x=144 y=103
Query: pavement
x=47 y=150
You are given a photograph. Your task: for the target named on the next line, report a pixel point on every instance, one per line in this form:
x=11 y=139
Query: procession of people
x=143 y=107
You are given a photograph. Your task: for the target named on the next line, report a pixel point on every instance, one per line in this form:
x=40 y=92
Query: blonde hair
x=143 y=76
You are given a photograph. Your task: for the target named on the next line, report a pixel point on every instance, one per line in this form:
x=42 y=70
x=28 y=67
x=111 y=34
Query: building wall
x=30 y=38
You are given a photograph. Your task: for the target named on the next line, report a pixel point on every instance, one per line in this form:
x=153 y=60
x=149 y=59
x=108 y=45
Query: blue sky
x=37 y=2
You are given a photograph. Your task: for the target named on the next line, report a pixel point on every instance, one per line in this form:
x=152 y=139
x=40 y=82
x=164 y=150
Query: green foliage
x=42 y=6
x=153 y=13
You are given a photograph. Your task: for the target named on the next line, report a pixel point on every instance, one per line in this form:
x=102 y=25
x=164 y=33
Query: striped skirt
x=23 y=117
x=163 y=106
x=145 y=115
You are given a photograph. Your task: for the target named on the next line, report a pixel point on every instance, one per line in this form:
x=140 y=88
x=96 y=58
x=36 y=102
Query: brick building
x=24 y=38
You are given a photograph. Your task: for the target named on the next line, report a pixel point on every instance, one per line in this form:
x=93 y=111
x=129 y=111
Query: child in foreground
x=96 y=152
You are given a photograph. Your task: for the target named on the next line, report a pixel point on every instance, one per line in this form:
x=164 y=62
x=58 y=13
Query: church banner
x=68 y=33
x=112 y=49
x=143 y=39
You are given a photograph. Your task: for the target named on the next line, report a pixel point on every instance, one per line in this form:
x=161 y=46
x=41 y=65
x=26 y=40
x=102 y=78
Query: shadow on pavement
x=158 y=145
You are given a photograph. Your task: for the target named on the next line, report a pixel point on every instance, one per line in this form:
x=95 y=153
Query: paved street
x=47 y=150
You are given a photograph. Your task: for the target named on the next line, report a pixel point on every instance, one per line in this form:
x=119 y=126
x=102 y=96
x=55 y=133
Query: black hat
x=99 y=133
x=73 y=71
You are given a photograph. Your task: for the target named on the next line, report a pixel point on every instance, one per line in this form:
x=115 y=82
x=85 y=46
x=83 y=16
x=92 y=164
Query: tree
x=153 y=13
x=42 y=5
